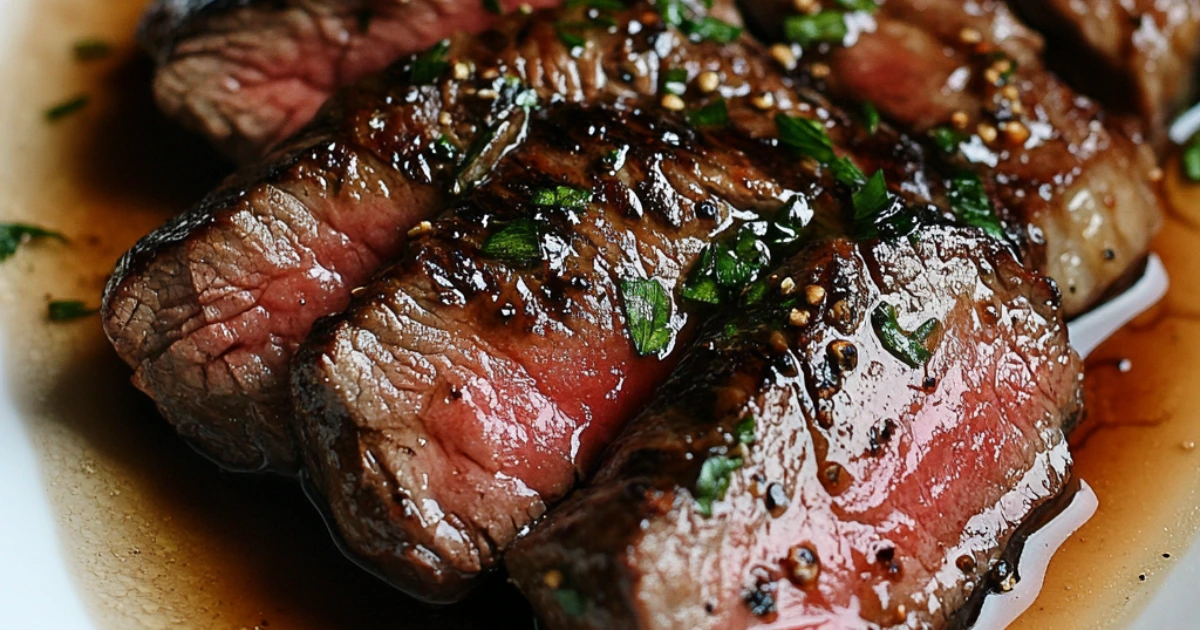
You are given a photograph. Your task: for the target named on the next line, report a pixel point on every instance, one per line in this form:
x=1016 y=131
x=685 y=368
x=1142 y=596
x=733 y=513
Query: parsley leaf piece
x=91 y=49
x=946 y=138
x=872 y=199
x=713 y=482
x=867 y=6
x=711 y=29
x=712 y=115
x=911 y=348
x=744 y=431
x=562 y=196
x=806 y=30
x=517 y=242
x=571 y=601
x=727 y=267
x=870 y=117
x=12 y=235
x=1190 y=159
x=806 y=136
x=701 y=285
x=847 y=172
x=970 y=203
x=599 y=5
x=66 y=108
x=647 y=315
x=675 y=81
x=67 y=310
x=431 y=64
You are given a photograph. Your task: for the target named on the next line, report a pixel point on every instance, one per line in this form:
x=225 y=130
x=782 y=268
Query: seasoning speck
x=960 y=120
x=672 y=102
x=764 y=101
x=461 y=71
x=814 y=293
x=787 y=286
x=445 y=119
x=798 y=317
x=783 y=55
x=1016 y=132
x=708 y=82
x=987 y=132
x=970 y=35
x=420 y=229
x=553 y=579
x=820 y=70
x=803 y=565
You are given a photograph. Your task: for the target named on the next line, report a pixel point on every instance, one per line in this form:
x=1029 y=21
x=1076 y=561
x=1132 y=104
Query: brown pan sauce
x=157 y=537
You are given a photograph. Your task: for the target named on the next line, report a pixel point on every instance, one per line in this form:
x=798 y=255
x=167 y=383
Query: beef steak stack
x=443 y=300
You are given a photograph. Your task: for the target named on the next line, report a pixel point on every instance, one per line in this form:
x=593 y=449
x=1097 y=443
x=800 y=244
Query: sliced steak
x=1078 y=187
x=1136 y=55
x=209 y=308
x=865 y=468
x=468 y=388
x=249 y=73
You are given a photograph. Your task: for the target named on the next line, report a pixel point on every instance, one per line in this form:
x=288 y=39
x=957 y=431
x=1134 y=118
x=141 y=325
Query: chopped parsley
x=806 y=30
x=91 y=49
x=970 y=203
x=599 y=5
x=675 y=81
x=866 y=6
x=711 y=29
x=12 y=235
x=648 y=315
x=713 y=482
x=872 y=199
x=910 y=347
x=431 y=64
x=870 y=117
x=947 y=138
x=744 y=431
x=66 y=108
x=809 y=138
x=562 y=196
x=67 y=310
x=571 y=601
x=1190 y=159
x=712 y=115
x=725 y=267
x=615 y=160
x=517 y=242
x=444 y=148
x=493 y=6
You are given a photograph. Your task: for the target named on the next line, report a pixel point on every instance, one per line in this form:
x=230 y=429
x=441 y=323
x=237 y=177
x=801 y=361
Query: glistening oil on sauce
x=158 y=538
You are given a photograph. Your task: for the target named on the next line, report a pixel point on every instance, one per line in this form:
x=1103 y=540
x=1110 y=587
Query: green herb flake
x=870 y=117
x=711 y=29
x=562 y=196
x=713 y=482
x=91 y=49
x=727 y=267
x=517 y=242
x=444 y=148
x=1190 y=159
x=911 y=348
x=430 y=65
x=847 y=172
x=66 y=108
x=571 y=601
x=67 y=310
x=493 y=6
x=615 y=160
x=866 y=6
x=12 y=235
x=806 y=30
x=647 y=315
x=712 y=115
x=872 y=199
x=567 y=37
x=744 y=431
x=946 y=138
x=675 y=81
x=599 y=5
x=806 y=136
x=970 y=203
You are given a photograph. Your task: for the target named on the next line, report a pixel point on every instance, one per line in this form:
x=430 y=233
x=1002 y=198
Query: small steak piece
x=866 y=468
x=249 y=73
x=209 y=308
x=473 y=384
x=1136 y=55
x=1076 y=188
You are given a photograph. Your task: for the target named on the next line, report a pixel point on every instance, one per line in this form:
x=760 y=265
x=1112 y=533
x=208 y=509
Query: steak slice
x=249 y=73
x=209 y=308
x=1136 y=55
x=1070 y=178
x=473 y=384
x=828 y=474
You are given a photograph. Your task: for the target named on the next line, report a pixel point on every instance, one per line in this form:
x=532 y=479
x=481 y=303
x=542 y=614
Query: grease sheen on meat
x=863 y=491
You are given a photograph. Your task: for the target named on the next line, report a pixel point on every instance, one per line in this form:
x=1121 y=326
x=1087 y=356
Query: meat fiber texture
x=812 y=476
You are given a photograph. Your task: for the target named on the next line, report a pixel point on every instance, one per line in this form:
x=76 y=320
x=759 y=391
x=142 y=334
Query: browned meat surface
x=249 y=73
x=828 y=474
x=464 y=391
x=209 y=308
x=1136 y=55
x=1081 y=187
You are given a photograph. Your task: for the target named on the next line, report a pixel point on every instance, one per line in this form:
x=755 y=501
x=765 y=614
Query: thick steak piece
x=865 y=468
x=474 y=383
x=209 y=308
x=1136 y=55
x=249 y=73
x=972 y=80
